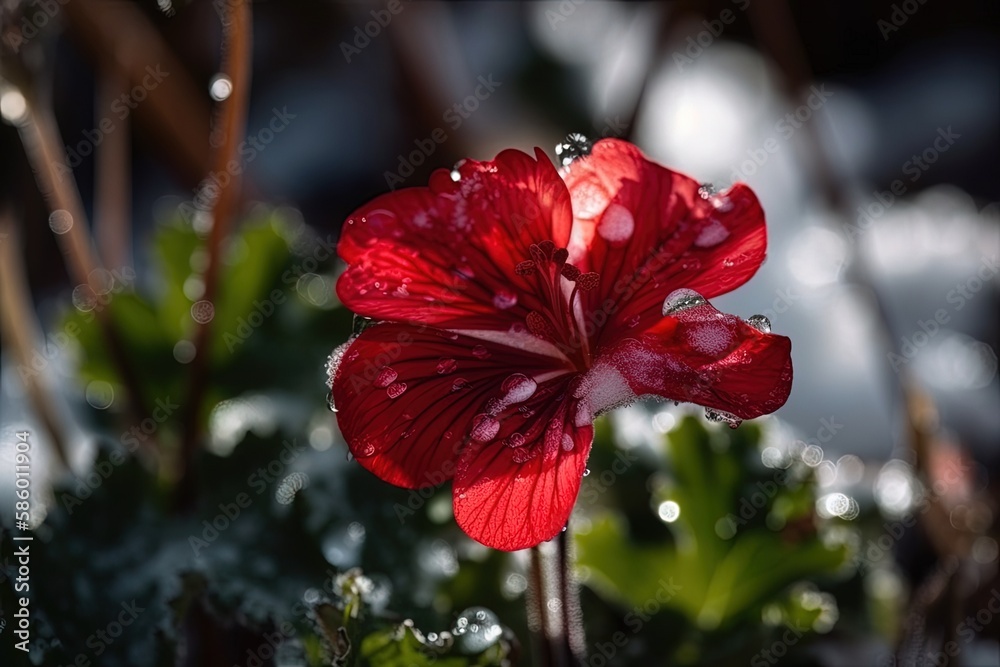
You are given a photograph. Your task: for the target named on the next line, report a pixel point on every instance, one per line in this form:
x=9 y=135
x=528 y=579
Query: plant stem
x=232 y=128
x=554 y=604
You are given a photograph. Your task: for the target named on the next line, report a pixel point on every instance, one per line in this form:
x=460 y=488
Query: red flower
x=519 y=302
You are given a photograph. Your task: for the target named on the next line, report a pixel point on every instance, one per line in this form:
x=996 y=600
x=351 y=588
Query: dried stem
x=20 y=329
x=236 y=63
x=112 y=198
x=55 y=180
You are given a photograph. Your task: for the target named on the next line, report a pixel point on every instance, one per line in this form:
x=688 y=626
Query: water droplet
x=712 y=234
x=633 y=322
x=680 y=300
x=395 y=390
x=760 y=323
x=220 y=88
x=100 y=394
x=719 y=417
x=573 y=147
x=60 y=221
x=484 y=428
x=480 y=352
x=290 y=486
x=475 y=630
x=568 y=444
x=586 y=472
x=504 y=299
x=202 y=312
x=184 y=351
x=364 y=449
x=517 y=388
x=706 y=190
x=385 y=377
x=668 y=511
x=459 y=384
x=330 y=403
x=446 y=366
x=514 y=440
x=617 y=224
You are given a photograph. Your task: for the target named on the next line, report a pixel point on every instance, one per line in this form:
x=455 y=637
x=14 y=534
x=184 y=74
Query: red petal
x=446 y=254
x=647 y=231
x=518 y=489
x=702 y=356
x=407 y=396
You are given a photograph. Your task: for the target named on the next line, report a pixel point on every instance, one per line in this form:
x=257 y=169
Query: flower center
x=558 y=284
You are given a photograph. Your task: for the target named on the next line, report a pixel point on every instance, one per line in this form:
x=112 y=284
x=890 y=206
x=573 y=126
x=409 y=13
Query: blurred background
x=166 y=318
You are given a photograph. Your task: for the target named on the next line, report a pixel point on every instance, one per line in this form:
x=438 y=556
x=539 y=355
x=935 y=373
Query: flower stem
x=554 y=604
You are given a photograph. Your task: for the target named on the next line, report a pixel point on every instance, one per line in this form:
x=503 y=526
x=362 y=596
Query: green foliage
x=719 y=564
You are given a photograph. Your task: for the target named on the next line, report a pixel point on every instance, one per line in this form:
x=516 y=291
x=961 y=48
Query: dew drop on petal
x=720 y=417
x=504 y=299
x=567 y=442
x=480 y=352
x=617 y=224
x=484 y=428
x=760 y=323
x=364 y=449
x=459 y=384
x=518 y=388
x=586 y=471
x=711 y=234
x=514 y=440
x=680 y=300
x=395 y=389
x=446 y=366
x=385 y=377
x=706 y=190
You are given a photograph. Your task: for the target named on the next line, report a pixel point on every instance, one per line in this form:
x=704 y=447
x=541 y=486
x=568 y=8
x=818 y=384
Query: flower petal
x=647 y=231
x=701 y=356
x=446 y=254
x=518 y=489
x=407 y=396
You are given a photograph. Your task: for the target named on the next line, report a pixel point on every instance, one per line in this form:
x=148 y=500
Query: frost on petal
x=702 y=356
